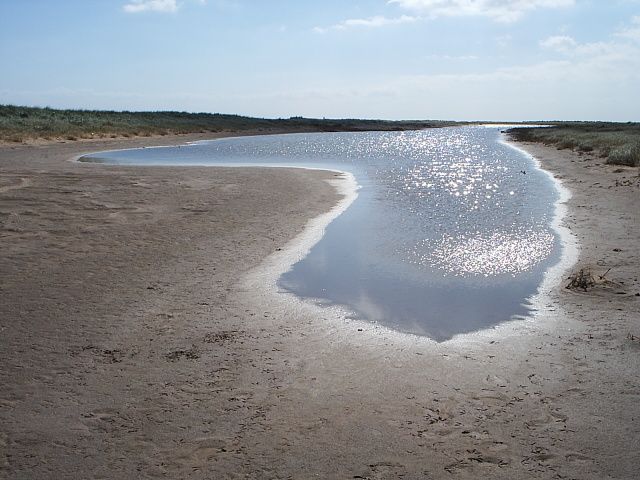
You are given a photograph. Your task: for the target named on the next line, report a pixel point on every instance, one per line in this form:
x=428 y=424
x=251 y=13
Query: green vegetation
x=619 y=143
x=19 y=124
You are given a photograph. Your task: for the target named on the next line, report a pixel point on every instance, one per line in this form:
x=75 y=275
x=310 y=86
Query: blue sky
x=400 y=59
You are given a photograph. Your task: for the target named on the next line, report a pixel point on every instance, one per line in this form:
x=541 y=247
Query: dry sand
x=140 y=337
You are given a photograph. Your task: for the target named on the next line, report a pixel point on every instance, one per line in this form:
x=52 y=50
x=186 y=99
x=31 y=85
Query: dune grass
x=618 y=143
x=20 y=124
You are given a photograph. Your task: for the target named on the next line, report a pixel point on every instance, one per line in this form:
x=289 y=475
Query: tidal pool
x=450 y=233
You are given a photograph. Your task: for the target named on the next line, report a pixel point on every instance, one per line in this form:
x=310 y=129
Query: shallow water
x=450 y=232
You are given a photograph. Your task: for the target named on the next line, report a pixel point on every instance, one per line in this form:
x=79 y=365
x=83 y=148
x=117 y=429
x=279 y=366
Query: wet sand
x=141 y=338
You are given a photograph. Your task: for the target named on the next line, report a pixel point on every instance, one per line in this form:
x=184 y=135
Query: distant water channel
x=450 y=232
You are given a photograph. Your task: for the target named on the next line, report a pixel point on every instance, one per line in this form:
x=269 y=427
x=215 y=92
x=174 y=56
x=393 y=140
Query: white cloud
x=632 y=32
x=499 y=10
x=137 y=6
x=372 y=22
x=617 y=48
x=560 y=43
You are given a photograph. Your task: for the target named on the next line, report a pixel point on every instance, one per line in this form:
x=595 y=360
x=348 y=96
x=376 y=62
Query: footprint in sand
x=201 y=451
x=24 y=182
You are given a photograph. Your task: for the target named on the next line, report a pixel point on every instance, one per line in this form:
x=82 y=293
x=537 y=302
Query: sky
x=499 y=60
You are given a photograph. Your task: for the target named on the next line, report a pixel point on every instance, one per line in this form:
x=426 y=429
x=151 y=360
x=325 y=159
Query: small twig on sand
x=604 y=274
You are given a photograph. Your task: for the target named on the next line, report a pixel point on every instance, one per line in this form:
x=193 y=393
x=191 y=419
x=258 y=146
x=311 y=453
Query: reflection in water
x=450 y=232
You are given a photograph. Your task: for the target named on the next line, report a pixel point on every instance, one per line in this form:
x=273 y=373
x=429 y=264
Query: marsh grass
x=618 y=143
x=625 y=155
x=19 y=124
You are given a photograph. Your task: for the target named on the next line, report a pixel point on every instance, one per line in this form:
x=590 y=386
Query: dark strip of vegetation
x=19 y=124
x=618 y=143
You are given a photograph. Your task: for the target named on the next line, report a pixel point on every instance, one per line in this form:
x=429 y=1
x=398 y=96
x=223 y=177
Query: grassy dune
x=20 y=124
x=618 y=143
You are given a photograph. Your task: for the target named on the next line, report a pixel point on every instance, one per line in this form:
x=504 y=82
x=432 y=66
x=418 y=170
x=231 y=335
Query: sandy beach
x=141 y=337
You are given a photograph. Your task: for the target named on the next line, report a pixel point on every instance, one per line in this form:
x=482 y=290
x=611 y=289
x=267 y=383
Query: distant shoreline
x=618 y=143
